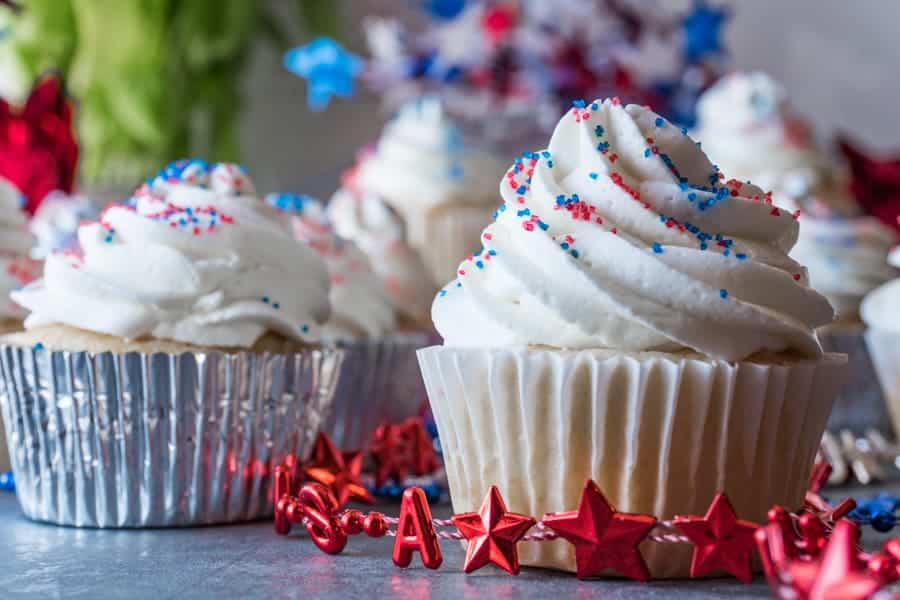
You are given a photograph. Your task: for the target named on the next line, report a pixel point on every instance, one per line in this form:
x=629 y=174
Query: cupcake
x=376 y=229
x=444 y=191
x=633 y=320
x=380 y=380
x=748 y=127
x=168 y=367
x=880 y=312
x=16 y=270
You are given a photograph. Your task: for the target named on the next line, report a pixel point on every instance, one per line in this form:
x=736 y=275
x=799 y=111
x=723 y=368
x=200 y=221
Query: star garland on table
x=810 y=555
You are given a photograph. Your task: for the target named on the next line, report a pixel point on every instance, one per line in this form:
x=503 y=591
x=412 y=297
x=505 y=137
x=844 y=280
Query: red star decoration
x=839 y=574
x=875 y=182
x=338 y=471
x=603 y=538
x=493 y=534
x=721 y=540
x=400 y=448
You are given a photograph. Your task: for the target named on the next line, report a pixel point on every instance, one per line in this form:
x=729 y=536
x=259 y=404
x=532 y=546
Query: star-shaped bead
x=493 y=534
x=328 y=68
x=603 y=538
x=721 y=540
x=840 y=573
x=702 y=30
x=338 y=471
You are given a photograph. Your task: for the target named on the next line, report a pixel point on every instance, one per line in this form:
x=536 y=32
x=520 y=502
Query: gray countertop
x=250 y=561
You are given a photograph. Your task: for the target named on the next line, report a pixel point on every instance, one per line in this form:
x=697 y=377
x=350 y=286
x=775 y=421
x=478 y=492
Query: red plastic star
x=339 y=472
x=402 y=448
x=492 y=533
x=875 y=182
x=603 y=538
x=840 y=574
x=721 y=540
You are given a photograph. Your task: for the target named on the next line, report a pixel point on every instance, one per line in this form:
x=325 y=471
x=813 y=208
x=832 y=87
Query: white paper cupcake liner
x=661 y=434
x=860 y=405
x=884 y=348
x=157 y=440
x=450 y=235
x=380 y=383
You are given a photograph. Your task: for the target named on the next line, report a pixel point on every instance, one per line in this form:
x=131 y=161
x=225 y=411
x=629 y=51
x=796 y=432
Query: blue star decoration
x=703 y=31
x=444 y=9
x=329 y=69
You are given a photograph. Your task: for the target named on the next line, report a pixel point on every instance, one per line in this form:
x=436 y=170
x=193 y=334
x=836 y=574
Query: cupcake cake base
x=661 y=434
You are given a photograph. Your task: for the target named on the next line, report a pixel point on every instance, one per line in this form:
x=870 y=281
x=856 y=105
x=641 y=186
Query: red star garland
x=493 y=533
x=338 y=471
x=721 y=540
x=38 y=151
x=603 y=538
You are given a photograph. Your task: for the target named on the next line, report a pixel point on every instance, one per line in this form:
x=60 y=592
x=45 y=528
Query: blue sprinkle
x=7 y=482
x=550 y=164
x=726 y=252
x=692 y=196
x=189 y=210
x=442 y=293
x=521 y=190
x=459 y=284
x=660 y=121
x=647 y=153
x=479 y=264
x=723 y=293
x=594 y=106
x=740 y=256
x=182 y=222
x=578 y=103
x=305 y=328
x=276 y=305
x=492 y=252
x=545 y=154
x=657 y=248
x=703 y=246
x=574 y=253
x=523 y=213
x=38 y=346
x=593 y=175
x=265 y=299
x=598 y=130
x=561 y=199
x=564 y=245
x=495 y=214
x=543 y=225
x=502 y=207
x=684 y=131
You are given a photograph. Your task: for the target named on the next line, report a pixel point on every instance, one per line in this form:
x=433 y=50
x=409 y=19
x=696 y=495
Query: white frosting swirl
x=360 y=306
x=378 y=231
x=749 y=129
x=16 y=268
x=421 y=163
x=621 y=235
x=201 y=263
x=880 y=309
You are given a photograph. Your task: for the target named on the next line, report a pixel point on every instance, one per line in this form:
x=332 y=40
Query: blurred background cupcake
x=444 y=191
x=186 y=332
x=881 y=313
x=380 y=380
x=634 y=322
x=749 y=129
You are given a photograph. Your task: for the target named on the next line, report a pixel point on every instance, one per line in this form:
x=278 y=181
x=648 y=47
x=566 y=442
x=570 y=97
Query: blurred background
x=837 y=61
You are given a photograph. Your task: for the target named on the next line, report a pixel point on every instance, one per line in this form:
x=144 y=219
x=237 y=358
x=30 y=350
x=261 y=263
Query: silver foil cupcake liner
x=860 y=405
x=380 y=383
x=157 y=440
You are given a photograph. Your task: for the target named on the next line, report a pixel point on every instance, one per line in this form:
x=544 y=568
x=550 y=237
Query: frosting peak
x=622 y=234
x=194 y=257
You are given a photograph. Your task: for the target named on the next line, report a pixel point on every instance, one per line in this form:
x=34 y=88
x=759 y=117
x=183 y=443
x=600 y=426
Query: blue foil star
x=703 y=31
x=328 y=68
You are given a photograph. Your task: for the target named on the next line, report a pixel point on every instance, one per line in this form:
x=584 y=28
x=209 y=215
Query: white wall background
x=839 y=60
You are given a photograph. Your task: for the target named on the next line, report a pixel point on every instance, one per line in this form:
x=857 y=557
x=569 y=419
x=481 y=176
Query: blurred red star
x=721 y=540
x=603 y=538
x=401 y=448
x=840 y=573
x=338 y=471
x=493 y=534
x=875 y=182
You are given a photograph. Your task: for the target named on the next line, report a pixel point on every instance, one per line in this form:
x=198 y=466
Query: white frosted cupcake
x=444 y=191
x=380 y=381
x=181 y=349
x=632 y=321
x=881 y=312
x=377 y=230
x=16 y=270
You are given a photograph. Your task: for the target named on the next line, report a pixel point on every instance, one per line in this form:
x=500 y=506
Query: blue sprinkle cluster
x=657 y=248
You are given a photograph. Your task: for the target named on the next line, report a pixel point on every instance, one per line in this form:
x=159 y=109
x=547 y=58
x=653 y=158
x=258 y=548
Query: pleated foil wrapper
x=661 y=434
x=380 y=383
x=884 y=349
x=860 y=404
x=157 y=440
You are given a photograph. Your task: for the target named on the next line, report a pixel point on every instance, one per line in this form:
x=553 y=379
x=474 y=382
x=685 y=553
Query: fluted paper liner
x=859 y=405
x=157 y=440
x=884 y=348
x=661 y=434
x=380 y=383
